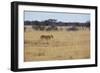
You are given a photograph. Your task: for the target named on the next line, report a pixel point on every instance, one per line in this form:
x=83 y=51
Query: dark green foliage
x=51 y=24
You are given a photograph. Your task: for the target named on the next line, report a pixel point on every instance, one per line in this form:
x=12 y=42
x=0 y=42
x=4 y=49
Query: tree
x=35 y=25
x=50 y=22
x=87 y=24
x=27 y=23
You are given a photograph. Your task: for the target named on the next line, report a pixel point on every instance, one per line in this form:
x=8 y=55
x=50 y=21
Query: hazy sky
x=60 y=16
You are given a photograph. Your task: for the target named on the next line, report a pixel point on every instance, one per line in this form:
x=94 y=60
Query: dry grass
x=65 y=45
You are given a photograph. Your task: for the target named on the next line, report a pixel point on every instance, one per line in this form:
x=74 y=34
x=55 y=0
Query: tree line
x=53 y=23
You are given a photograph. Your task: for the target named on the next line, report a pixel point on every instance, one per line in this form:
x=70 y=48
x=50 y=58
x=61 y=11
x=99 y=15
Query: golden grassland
x=65 y=45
